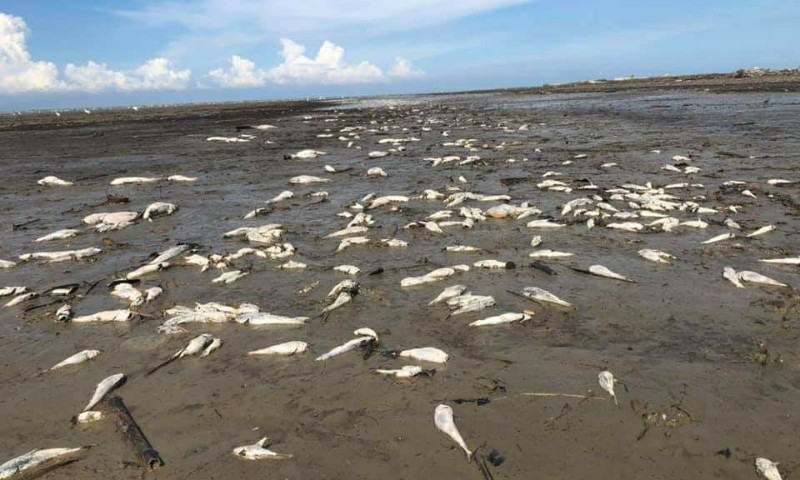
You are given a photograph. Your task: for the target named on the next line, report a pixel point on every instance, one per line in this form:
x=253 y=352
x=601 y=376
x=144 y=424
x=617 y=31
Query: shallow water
x=681 y=335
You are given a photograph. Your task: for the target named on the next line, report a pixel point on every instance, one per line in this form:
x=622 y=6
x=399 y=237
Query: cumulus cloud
x=402 y=68
x=20 y=74
x=327 y=67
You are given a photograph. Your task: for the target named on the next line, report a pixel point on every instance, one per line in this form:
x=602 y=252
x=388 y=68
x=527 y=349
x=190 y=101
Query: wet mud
x=720 y=363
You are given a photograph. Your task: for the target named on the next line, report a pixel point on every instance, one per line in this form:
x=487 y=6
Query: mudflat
x=709 y=376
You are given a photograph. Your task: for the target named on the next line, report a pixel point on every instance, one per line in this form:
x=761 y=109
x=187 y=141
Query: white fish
x=443 y=419
x=284 y=195
x=6 y=291
x=128 y=292
x=181 y=178
x=230 y=277
x=286 y=349
x=426 y=354
x=134 y=180
x=782 y=261
x=170 y=253
x=761 y=231
x=602 y=271
x=541 y=295
x=105 y=386
x=203 y=262
x=754 y=277
x=695 y=224
x=626 y=226
x=344 y=297
x=89 y=417
x=5 y=264
x=292 y=265
x=606 y=380
x=105 y=316
x=504 y=318
x=350 y=241
x=343 y=286
x=258 y=452
x=152 y=293
x=146 y=269
x=461 y=248
x=264 y=318
x=732 y=224
x=159 y=208
x=544 y=224
x=406 y=371
x=354 y=230
x=64 y=313
x=394 y=242
x=21 y=298
x=448 y=293
x=80 y=357
x=228 y=139
x=306 y=154
x=348 y=269
x=212 y=346
x=346 y=347
x=59 y=235
x=44 y=458
x=748 y=193
x=719 y=238
x=307 y=179
x=61 y=256
x=53 y=181
x=195 y=346
x=730 y=274
x=549 y=254
x=469 y=303
x=376 y=172
x=385 y=200
x=493 y=264
x=767 y=469
x=536 y=241
x=656 y=255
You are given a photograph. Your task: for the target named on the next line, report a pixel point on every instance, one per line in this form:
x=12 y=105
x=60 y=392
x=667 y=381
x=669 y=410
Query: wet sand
x=721 y=361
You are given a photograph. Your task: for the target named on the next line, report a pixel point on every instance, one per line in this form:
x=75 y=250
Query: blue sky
x=59 y=54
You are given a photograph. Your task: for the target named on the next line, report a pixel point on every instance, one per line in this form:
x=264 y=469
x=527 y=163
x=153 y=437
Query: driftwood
x=133 y=434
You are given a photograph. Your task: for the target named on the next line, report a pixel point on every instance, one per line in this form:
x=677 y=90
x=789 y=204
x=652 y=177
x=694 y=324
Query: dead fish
x=181 y=178
x=626 y=226
x=761 y=231
x=59 y=235
x=719 y=238
x=748 y=193
x=264 y=318
x=6 y=291
x=433 y=276
x=376 y=172
x=767 y=469
x=504 y=318
x=469 y=303
x=367 y=337
x=105 y=316
x=354 y=230
x=461 y=248
x=88 y=417
x=544 y=224
x=732 y=224
x=494 y=264
x=348 y=269
x=541 y=295
x=782 y=261
x=5 y=264
x=64 y=313
x=656 y=256
x=53 y=181
x=106 y=222
x=61 y=256
x=134 y=180
x=730 y=274
x=128 y=292
x=443 y=419
x=306 y=154
x=349 y=242
x=159 y=208
x=754 y=277
x=229 y=277
x=257 y=451
x=215 y=345
x=549 y=254
x=147 y=269
x=21 y=299
x=80 y=357
x=448 y=293
x=606 y=380
x=601 y=271
x=406 y=371
x=425 y=354
x=307 y=179
x=285 y=349
x=35 y=462
x=103 y=388
x=170 y=253
x=536 y=241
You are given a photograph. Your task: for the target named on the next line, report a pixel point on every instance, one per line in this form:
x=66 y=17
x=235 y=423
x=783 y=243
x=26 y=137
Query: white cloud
x=403 y=69
x=20 y=74
x=327 y=67
x=241 y=74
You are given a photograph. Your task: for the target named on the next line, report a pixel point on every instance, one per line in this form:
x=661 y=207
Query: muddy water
x=681 y=336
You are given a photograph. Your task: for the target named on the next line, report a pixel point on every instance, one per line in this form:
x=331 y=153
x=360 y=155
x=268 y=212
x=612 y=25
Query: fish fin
x=262 y=442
